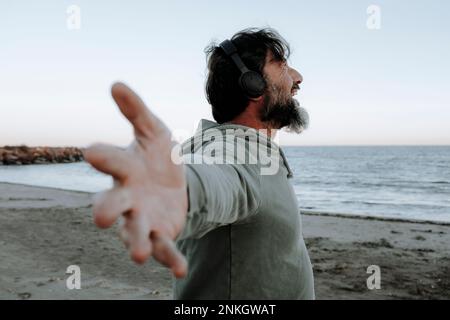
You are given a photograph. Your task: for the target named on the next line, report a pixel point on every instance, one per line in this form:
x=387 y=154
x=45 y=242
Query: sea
x=402 y=182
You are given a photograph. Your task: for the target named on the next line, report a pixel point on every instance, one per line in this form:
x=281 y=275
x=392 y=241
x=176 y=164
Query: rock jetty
x=18 y=155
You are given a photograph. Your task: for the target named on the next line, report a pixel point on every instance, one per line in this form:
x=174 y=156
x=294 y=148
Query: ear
x=257 y=99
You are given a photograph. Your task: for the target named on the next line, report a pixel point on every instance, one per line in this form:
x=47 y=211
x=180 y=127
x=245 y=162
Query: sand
x=44 y=230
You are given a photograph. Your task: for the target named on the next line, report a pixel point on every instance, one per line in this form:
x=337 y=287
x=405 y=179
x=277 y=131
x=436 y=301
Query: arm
x=219 y=195
x=150 y=193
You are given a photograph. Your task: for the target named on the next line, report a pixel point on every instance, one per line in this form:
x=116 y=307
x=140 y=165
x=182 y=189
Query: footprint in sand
x=24 y=295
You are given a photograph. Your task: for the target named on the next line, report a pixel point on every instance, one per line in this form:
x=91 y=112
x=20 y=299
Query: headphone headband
x=230 y=50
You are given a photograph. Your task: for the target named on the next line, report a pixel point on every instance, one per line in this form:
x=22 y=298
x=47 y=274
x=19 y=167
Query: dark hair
x=222 y=88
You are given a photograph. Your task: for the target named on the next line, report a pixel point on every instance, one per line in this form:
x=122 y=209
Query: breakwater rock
x=18 y=155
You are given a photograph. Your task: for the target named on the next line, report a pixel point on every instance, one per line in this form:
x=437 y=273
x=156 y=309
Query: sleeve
x=219 y=194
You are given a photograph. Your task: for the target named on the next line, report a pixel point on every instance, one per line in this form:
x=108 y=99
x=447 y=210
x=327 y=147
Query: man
x=238 y=226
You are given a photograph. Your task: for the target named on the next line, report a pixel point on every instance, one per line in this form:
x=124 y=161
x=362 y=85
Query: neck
x=252 y=121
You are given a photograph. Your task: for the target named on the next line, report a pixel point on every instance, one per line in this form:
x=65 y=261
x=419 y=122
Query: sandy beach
x=44 y=230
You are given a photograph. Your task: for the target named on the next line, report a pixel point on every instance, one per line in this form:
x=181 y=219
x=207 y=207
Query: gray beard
x=288 y=114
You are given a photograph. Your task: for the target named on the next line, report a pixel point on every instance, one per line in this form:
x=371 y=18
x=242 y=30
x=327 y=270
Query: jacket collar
x=205 y=124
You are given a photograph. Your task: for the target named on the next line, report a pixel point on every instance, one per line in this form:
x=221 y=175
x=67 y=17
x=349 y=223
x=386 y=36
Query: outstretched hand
x=149 y=195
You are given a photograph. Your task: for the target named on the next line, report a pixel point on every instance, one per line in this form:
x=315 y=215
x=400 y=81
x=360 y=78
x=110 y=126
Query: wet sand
x=44 y=230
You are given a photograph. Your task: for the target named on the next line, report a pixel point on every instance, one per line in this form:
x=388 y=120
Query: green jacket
x=243 y=235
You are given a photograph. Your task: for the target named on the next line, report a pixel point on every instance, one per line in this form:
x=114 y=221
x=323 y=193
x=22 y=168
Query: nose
x=296 y=76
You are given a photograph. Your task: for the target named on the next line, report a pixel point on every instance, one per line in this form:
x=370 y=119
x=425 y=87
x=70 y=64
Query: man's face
x=280 y=109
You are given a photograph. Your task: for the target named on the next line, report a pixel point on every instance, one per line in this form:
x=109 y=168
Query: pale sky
x=362 y=86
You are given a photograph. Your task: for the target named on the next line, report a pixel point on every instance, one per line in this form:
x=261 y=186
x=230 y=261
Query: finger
x=109 y=159
x=138 y=234
x=165 y=251
x=123 y=233
x=145 y=123
x=109 y=205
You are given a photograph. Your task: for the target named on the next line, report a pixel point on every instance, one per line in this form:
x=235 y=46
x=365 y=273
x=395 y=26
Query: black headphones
x=251 y=82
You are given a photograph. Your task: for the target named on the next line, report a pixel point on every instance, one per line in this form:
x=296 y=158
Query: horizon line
x=281 y=145
x=367 y=145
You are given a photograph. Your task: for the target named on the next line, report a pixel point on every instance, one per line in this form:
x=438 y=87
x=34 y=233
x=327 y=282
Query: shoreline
x=303 y=212
x=377 y=218
x=44 y=230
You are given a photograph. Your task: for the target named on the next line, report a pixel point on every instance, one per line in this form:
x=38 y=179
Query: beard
x=283 y=112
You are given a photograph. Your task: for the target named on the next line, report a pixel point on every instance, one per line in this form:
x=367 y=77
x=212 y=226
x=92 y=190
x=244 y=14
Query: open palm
x=149 y=195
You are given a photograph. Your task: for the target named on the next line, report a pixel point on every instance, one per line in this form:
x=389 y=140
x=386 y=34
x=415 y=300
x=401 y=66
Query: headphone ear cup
x=252 y=83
